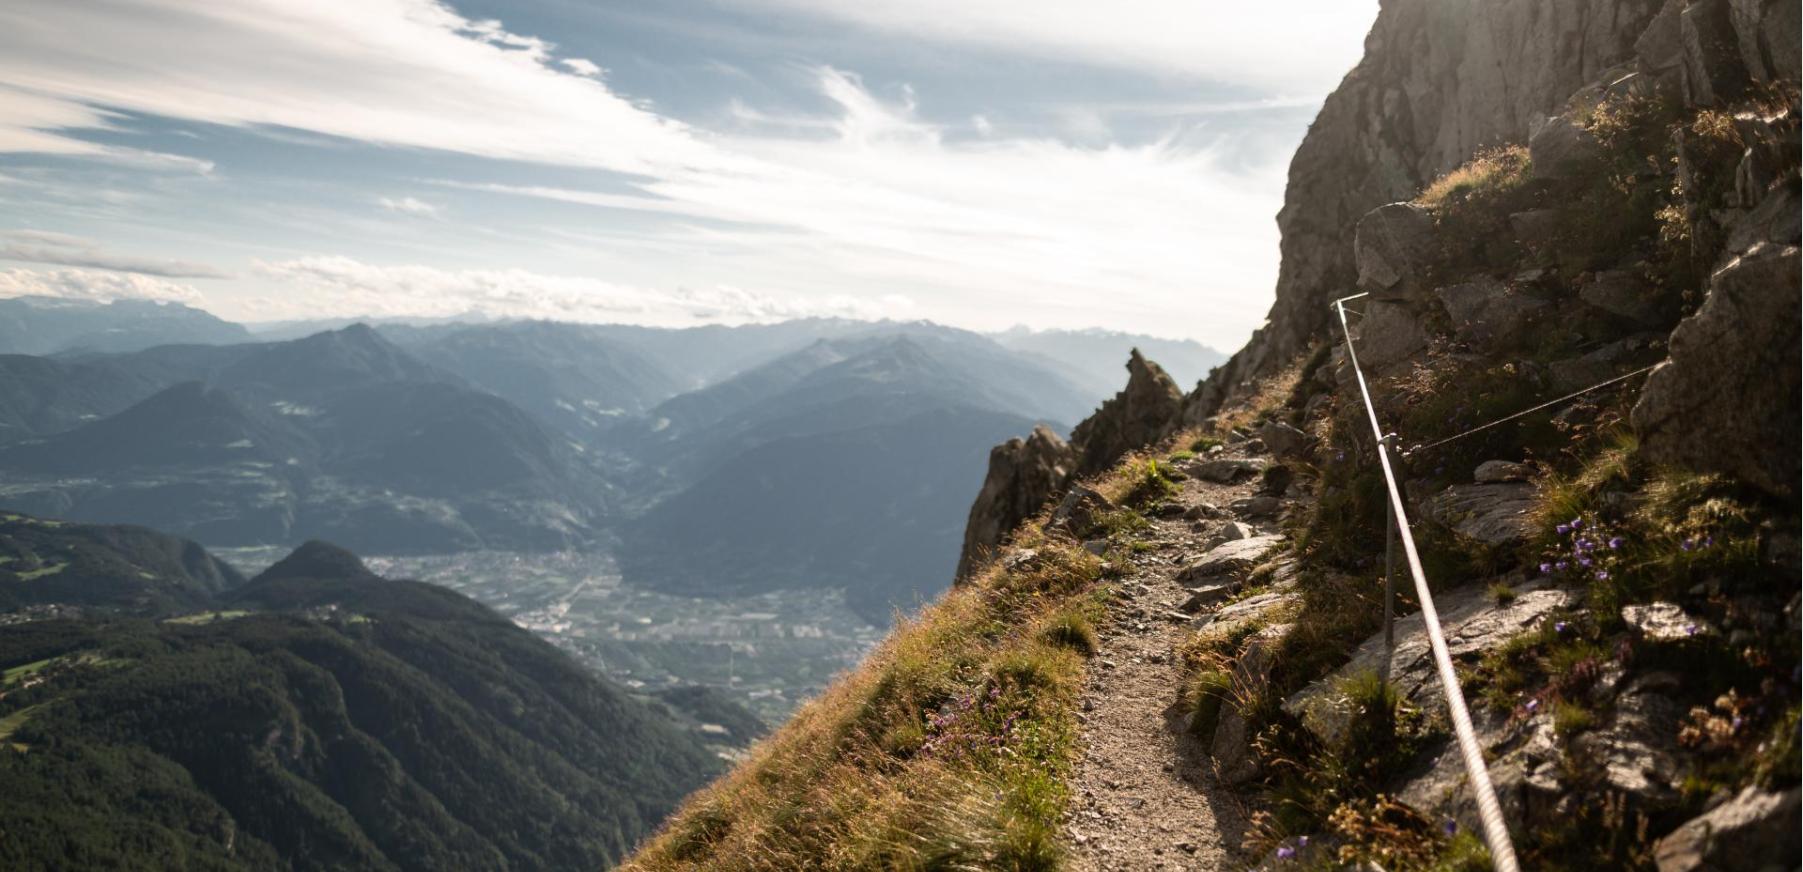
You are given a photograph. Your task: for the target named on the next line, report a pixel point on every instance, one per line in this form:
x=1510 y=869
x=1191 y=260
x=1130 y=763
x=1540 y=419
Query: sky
x=981 y=163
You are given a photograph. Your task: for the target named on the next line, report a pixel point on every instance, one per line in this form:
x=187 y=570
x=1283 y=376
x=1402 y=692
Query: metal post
x=1389 y=562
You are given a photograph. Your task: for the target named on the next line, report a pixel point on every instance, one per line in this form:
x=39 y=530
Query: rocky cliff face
x=1439 y=81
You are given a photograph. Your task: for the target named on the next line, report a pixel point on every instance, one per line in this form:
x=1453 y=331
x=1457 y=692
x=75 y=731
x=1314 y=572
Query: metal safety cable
x=1546 y=405
x=1496 y=830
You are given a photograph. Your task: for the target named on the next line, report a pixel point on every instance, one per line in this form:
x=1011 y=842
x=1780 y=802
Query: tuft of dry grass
x=1492 y=172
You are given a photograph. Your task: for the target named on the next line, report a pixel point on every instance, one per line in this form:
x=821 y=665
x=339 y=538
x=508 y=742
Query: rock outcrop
x=1440 y=80
x=1139 y=415
x=1023 y=475
x=1026 y=474
x=1726 y=400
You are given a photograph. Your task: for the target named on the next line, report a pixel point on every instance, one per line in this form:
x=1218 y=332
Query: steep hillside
x=320 y=717
x=847 y=464
x=132 y=569
x=47 y=325
x=1575 y=229
x=572 y=376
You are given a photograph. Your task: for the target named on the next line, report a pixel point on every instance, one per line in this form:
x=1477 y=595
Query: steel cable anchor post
x=1384 y=445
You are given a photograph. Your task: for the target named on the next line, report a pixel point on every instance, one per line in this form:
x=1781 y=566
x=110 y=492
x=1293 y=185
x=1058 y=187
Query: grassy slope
x=949 y=748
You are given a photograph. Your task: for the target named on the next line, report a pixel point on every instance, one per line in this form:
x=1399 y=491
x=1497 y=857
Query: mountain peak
x=317 y=559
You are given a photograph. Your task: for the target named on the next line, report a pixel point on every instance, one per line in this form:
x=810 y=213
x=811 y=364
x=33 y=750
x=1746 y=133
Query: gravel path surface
x=1145 y=793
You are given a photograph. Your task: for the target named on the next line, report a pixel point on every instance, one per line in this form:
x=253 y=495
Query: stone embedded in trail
x=1284 y=440
x=1229 y=558
x=1225 y=470
x=1207 y=595
x=1749 y=831
x=1726 y=400
x=1233 y=531
x=1495 y=514
x=1394 y=247
x=1262 y=506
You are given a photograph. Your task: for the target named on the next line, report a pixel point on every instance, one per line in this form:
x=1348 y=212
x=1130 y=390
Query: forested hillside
x=316 y=717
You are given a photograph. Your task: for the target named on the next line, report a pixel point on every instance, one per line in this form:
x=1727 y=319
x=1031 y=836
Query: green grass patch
x=43 y=571
x=208 y=617
x=11 y=723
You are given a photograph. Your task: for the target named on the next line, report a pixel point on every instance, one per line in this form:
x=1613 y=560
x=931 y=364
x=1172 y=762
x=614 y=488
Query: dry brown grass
x=949 y=748
x=1494 y=171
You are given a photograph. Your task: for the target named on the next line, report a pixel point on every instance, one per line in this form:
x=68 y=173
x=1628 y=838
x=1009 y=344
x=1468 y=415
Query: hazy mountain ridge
x=52 y=325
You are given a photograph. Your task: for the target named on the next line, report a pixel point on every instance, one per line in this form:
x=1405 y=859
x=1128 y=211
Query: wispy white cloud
x=342 y=286
x=37 y=246
x=1298 y=46
x=409 y=206
x=583 y=67
x=81 y=284
x=866 y=199
x=395 y=72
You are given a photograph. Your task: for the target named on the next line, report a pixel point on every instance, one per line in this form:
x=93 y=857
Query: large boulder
x=1726 y=400
x=1626 y=294
x=1561 y=148
x=1394 y=247
x=1472 y=623
x=1755 y=830
x=1024 y=474
x=1487 y=313
x=1388 y=334
x=1141 y=414
x=1494 y=514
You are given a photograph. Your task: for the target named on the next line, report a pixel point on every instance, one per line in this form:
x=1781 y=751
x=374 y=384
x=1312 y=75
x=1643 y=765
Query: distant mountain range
x=314 y=717
x=52 y=325
x=709 y=458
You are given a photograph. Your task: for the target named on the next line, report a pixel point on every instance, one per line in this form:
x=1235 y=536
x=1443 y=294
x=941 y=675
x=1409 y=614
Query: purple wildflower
x=1687 y=544
x=1692 y=629
x=1560 y=565
x=1585 y=562
x=1302 y=841
x=1546 y=569
x=1708 y=541
x=1602 y=575
x=1533 y=705
x=1450 y=828
x=1577 y=523
x=1563 y=529
x=1561 y=627
x=1286 y=853
x=1616 y=543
